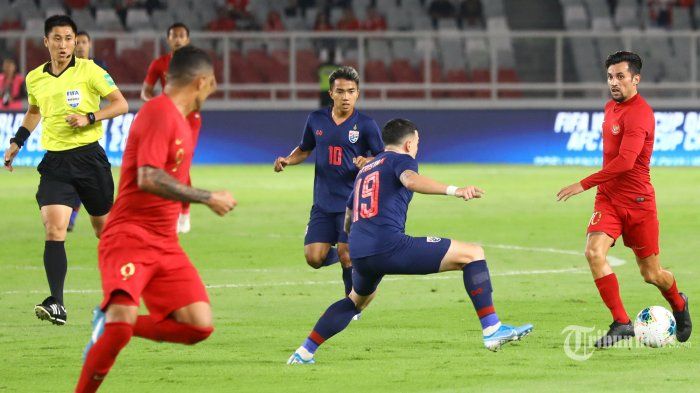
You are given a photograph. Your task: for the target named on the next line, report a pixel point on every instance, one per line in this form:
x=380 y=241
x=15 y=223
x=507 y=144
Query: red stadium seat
x=402 y=72
x=435 y=75
x=482 y=76
x=458 y=76
x=307 y=64
x=375 y=72
x=508 y=75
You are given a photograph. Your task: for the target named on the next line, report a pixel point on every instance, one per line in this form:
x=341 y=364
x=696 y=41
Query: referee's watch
x=91 y=117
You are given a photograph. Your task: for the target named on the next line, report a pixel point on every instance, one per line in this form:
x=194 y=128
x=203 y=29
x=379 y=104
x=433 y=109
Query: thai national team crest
x=354 y=134
x=73 y=98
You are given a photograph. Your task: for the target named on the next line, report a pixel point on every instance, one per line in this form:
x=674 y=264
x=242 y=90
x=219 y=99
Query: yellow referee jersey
x=78 y=89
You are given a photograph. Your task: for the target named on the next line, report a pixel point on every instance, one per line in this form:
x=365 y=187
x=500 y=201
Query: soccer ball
x=655 y=327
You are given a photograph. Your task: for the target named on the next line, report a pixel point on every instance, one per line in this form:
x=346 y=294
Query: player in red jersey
x=178 y=37
x=139 y=254
x=625 y=203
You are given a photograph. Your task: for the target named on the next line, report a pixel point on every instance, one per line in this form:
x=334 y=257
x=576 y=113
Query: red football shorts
x=161 y=274
x=639 y=228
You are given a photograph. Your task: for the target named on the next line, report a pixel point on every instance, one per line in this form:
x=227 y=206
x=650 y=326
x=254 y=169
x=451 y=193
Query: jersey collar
x=47 y=67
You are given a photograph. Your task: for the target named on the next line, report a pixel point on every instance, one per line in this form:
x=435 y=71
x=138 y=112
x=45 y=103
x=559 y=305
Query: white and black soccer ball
x=655 y=327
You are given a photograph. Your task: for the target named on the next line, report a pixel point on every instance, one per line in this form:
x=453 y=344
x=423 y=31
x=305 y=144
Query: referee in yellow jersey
x=65 y=95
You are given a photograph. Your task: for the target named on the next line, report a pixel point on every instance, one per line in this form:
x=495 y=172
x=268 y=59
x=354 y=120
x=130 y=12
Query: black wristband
x=20 y=137
x=91 y=117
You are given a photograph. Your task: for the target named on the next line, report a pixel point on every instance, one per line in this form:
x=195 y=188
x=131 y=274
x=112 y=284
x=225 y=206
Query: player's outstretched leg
x=188 y=325
x=597 y=246
x=333 y=321
x=653 y=273
x=471 y=260
x=119 y=319
x=55 y=218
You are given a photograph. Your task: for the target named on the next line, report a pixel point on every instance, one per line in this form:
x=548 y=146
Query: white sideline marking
x=334 y=282
x=613 y=261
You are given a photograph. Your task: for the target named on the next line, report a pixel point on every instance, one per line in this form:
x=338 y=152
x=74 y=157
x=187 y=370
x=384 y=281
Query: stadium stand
x=453 y=58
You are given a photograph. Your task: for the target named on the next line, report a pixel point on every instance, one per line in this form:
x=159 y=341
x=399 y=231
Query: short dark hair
x=58 y=20
x=186 y=64
x=345 y=72
x=83 y=32
x=396 y=130
x=177 y=25
x=633 y=61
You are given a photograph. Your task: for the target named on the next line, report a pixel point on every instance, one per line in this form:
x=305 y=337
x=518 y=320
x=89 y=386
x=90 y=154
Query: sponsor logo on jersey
x=354 y=134
x=73 y=98
x=431 y=239
x=109 y=80
x=615 y=129
x=319 y=132
x=127 y=271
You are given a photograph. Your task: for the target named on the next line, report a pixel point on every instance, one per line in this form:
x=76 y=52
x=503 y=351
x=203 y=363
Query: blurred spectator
x=612 y=6
x=12 y=88
x=273 y=22
x=222 y=23
x=441 y=9
x=660 y=11
x=348 y=21
x=471 y=13
x=77 y=3
x=690 y=5
x=374 y=21
x=322 y=23
x=292 y=9
x=238 y=8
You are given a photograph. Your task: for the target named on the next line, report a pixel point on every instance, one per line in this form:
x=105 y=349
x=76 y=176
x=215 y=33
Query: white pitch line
x=613 y=261
x=333 y=282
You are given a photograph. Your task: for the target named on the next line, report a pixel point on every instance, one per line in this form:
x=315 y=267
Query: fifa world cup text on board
x=675 y=131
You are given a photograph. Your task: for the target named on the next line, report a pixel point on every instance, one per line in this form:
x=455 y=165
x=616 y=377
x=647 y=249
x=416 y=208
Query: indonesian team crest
x=354 y=134
x=73 y=98
x=615 y=129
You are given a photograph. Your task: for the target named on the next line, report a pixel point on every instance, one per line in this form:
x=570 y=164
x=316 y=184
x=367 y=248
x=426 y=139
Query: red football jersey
x=628 y=141
x=160 y=137
x=157 y=70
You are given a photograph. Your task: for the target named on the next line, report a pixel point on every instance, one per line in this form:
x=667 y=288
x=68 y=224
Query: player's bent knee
x=314 y=259
x=594 y=255
x=470 y=252
x=361 y=301
x=55 y=233
x=199 y=334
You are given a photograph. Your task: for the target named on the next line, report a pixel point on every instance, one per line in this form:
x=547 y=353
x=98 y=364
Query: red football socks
x=610 y=293
x=674 y=298
x=169 y=330
x=102 y=356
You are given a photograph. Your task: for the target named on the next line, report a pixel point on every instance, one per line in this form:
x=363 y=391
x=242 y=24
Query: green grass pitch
x=420 y=334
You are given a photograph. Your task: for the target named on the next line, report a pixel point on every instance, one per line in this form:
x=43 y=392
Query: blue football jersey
x=336 y=145
x=379 y=202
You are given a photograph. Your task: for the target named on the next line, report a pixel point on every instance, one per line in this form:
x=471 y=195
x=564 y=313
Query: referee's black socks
x=56 y=265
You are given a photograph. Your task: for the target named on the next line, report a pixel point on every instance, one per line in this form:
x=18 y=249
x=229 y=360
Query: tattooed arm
x=157 y=181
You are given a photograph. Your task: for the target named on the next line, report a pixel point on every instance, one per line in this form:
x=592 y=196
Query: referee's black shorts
x=77 y=175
